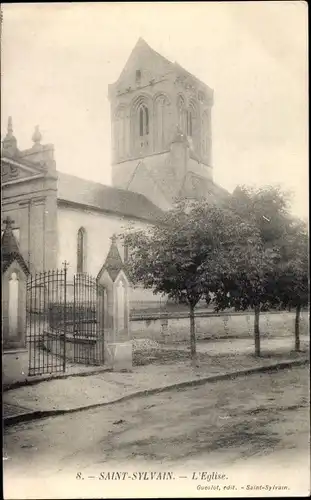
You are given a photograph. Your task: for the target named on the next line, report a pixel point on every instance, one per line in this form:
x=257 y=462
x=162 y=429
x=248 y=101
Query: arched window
x=141 y=112
x=143 y=121
x=81 y=250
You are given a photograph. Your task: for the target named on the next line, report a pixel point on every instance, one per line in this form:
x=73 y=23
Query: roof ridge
x=93 y=194
x=176 y=64
x=114 y=188
x=179 y=66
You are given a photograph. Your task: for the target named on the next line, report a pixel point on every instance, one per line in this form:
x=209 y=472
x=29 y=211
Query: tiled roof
x=75 y=190
x=113 y=262
x=10 y=251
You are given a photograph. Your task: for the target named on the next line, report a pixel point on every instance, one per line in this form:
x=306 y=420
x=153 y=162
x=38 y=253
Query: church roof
x=141 y=44
x=10 y=249
x=72 y=189
x=178 y=67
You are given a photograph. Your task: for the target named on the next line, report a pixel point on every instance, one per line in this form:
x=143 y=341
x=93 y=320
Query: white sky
x=58 y=59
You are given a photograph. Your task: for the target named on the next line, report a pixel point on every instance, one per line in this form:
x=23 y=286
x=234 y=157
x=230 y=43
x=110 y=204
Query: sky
x=58 y=59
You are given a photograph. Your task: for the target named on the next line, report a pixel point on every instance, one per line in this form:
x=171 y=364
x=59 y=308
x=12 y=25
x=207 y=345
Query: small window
x=138 y=75
x=147 y=121
x=143 y=121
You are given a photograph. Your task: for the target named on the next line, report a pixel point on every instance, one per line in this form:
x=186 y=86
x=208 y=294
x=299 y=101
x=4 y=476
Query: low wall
x=175 y=328
x=82 y=350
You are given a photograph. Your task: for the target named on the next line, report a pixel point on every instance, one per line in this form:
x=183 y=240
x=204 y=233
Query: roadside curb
x=38 y=414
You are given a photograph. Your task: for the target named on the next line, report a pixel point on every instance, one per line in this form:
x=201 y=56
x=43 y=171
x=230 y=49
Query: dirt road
x=261 y=420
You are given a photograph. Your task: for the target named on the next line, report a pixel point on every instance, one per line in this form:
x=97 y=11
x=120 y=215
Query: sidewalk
x=76 y=393
x=15 y=370
x=15 y=363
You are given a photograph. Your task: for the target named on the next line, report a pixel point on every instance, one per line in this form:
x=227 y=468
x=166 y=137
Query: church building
x=161 y=150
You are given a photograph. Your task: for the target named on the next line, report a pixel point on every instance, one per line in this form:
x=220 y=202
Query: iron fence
x=65 y=321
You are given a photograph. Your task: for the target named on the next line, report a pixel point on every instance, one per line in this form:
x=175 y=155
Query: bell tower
x=161 y=129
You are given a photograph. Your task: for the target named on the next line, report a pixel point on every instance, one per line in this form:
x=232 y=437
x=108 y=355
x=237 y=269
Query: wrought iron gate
x=46 y=326
x=65 y=321
x=86 y=315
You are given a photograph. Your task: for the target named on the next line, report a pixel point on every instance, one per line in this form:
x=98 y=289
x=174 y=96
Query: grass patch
x=160 y=356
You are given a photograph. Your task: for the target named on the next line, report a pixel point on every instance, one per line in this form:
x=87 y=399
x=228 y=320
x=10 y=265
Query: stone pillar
x=118 y=346
x=50 y=225
x=121 y=347
x=14 y=286
x=37 y=234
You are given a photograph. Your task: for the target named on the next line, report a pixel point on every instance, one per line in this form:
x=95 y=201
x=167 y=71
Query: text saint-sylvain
x=140 y=476
x=266 y=487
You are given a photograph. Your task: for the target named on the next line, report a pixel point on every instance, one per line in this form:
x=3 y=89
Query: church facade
x=161 y=149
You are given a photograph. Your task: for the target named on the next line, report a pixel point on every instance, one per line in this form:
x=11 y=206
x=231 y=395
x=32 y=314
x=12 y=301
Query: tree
x=246 y=283
x=185 y=254
x=292 y=282
x=251 y=281
x=266 y=208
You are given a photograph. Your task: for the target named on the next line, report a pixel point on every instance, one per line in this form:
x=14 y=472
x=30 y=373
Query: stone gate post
x=14 y=284
x=112 y=276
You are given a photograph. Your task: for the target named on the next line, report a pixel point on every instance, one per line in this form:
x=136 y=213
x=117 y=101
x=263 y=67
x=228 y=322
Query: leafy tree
x=246 y=283
x=251 y=281
x=292 y=282
x=184 y=255
x=266 y=208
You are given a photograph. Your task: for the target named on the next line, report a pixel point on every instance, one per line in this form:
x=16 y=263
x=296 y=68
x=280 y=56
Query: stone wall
x=176 y=327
